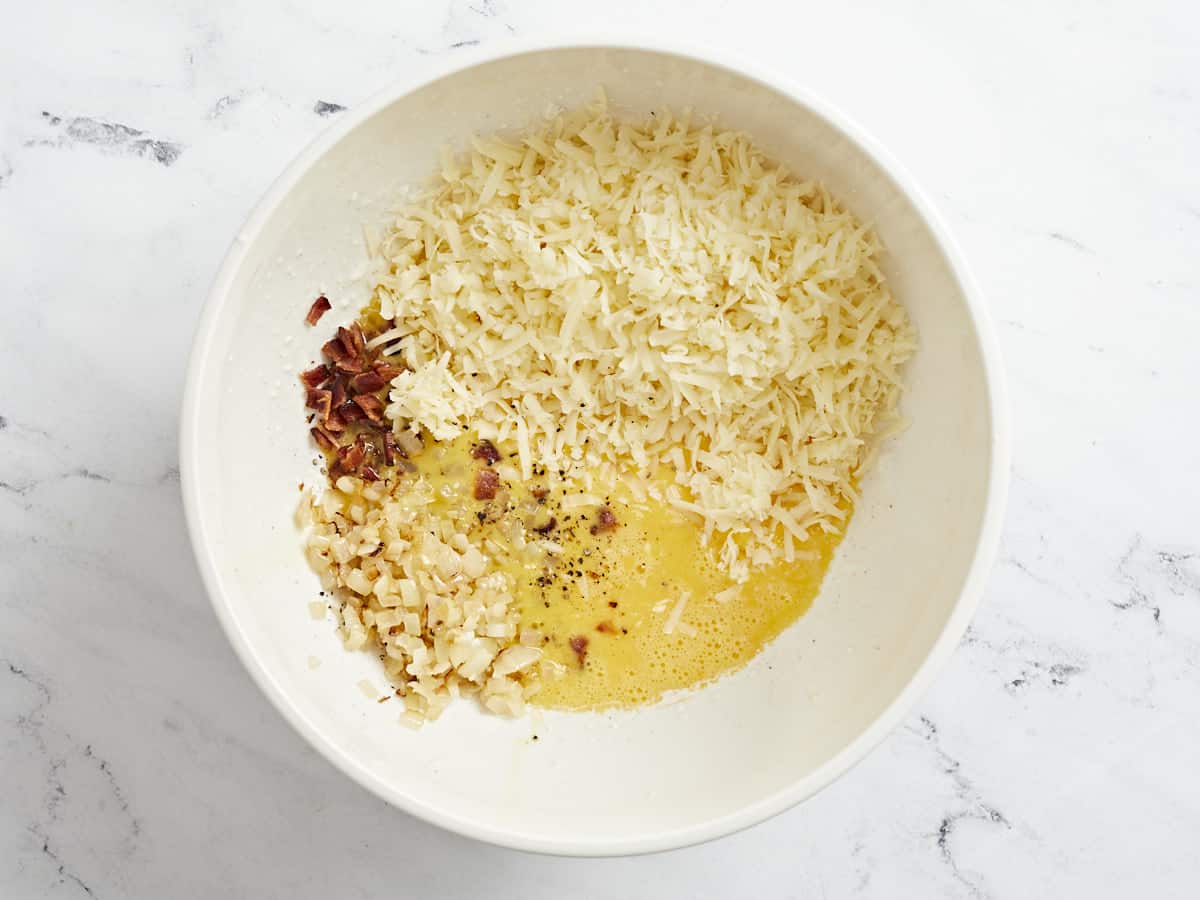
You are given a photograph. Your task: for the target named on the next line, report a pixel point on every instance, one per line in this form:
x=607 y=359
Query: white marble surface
x=1056 y=756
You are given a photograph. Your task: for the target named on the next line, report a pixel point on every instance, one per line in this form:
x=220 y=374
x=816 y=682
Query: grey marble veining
x=1056 y=756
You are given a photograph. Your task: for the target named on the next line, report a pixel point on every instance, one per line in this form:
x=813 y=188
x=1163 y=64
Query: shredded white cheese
x=645 y=295
x=676 y=613
x=728 y=594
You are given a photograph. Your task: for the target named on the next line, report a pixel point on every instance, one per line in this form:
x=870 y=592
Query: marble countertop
x=1057 y=754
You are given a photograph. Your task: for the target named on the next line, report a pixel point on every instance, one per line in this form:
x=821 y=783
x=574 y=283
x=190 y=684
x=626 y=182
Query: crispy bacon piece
x=371 y=405
x=386 y=371
x=547 y=527
x=323 y=438
x=321 y=401
x=487 y=482
x=315 y=377
x=351 y=412
x=352 y=339
x=351 y=365
x=335 y=350
x=367 y=383
x=334 y=422
x=338 y=389
x=486 y=451
x=350 y=457
x=606 y=520
x=319 y=307
x=360 y=338
x=345 y=390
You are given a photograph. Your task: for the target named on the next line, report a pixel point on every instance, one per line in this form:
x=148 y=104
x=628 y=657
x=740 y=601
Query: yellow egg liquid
x=606 y=602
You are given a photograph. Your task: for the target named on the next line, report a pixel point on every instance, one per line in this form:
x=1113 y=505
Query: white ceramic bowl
x=897 y=597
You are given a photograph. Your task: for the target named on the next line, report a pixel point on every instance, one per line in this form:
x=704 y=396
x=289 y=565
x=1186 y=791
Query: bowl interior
x=718 y=758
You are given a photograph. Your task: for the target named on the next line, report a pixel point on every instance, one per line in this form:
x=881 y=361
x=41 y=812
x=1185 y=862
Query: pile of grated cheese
x=625 y=300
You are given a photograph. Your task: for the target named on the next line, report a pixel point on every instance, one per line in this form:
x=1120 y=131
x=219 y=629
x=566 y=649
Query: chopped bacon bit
x=351 y=412
x=351 y=365
x=487 y=482
x=350 y=457
x=354 y=345
x=371 y=405
x=314 y=378
x=548 y=527
x=540 y=493
x=386 y=371
x=606 y=520
x=334 y=422
x=579 y=645
x=369 y=446
x=347 y=350
x=339 y=390
x=319 y=307
x=358 y=343
x=321 y=401
x=367 y=383
x=486 y=451
x=606 y=627
x=335 y=350
x=323 y=438
x=345 y=390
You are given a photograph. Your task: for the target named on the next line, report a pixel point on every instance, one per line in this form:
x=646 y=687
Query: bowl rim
x=956 y=623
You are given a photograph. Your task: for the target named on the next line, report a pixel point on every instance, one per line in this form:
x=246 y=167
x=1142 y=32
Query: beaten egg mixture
x=633 y=611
